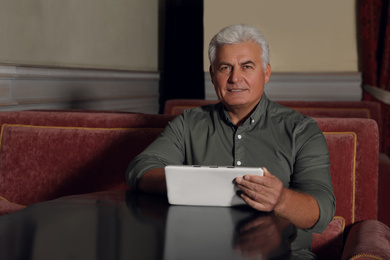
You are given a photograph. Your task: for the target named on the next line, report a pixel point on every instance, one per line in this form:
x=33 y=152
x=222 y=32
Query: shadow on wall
x=78 y=99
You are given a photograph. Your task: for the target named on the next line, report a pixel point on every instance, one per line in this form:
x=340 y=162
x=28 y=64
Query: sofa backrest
x=342 y=109
x=339 y=109
x=176 y=106
x=353 y=146
x=46 y=155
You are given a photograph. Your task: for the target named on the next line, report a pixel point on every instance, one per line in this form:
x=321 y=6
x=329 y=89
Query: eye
x=225 y=69
x=247 y=67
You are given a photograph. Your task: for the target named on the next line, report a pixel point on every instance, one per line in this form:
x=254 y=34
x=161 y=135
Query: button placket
x=239 y=148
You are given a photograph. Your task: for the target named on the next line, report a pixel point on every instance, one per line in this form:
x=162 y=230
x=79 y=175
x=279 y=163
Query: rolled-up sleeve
x=312 y=172
x=167 y=149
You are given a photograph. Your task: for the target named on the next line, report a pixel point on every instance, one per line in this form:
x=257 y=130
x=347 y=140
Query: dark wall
x=181 y=50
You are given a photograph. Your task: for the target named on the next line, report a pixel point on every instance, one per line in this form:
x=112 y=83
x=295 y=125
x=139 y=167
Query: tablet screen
x=205 y=185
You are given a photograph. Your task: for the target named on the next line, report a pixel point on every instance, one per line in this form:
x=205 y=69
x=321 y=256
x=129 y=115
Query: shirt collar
x=253 y=118
x=259 y=111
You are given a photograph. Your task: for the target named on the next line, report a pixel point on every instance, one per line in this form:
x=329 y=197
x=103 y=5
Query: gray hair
x=239 y=33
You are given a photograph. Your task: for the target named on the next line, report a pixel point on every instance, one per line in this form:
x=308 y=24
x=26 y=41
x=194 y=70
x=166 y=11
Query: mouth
x=237 y=90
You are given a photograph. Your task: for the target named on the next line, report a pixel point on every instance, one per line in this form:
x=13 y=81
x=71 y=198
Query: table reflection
x=130 y=225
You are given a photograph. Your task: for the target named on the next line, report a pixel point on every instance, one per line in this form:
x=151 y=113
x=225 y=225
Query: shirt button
x=239 y=136
x=253 y=121
x=238 y=162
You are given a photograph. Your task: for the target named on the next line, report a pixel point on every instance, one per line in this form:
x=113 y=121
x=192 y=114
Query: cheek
x=218 y=90
x=257 y=83
x=219 y=87
x=219 y=81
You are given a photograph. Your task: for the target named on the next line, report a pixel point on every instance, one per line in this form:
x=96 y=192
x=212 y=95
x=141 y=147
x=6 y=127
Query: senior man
x=247 y=129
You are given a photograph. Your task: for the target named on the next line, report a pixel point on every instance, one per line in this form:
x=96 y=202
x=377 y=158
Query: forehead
x=248 y=51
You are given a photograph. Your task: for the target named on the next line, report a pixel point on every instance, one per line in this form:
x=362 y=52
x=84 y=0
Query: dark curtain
x=181 y=50
x=374 y=34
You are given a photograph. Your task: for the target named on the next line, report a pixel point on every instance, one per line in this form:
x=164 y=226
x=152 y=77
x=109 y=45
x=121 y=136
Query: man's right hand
x=153 y=181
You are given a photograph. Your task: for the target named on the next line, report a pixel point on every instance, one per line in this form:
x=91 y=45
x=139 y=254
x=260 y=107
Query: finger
x=238 y=179
x=255 y=182
x=254 y=204
x=255 y=178
x=260 y=197
x=267 y=180
x=257 y=193
x=249 y=193
x=251 y=188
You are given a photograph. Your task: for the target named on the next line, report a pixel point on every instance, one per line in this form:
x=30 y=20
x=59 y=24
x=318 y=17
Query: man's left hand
x=266 y=193
x=263 y=193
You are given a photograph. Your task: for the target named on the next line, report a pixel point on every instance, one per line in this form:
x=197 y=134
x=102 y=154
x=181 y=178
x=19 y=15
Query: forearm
x=300 y=208
x=153 y=181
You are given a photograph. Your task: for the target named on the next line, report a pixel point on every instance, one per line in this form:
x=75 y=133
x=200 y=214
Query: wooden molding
x=24 y=88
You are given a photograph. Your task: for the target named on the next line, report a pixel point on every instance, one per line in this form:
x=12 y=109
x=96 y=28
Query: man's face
x=238 y=76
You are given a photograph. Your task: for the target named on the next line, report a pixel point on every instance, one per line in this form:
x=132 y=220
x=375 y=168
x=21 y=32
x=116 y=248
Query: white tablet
x=205 y=185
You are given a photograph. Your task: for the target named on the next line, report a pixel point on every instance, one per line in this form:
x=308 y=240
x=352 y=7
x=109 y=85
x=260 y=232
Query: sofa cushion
x=41 y=162
x=342 y=149
x=356 y=190
x=7 y=207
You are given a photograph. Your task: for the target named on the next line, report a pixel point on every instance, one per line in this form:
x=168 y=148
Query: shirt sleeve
x=167 y=149
x=312 y=171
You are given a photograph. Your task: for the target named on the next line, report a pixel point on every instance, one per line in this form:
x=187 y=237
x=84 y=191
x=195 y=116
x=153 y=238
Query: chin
x=235 y=102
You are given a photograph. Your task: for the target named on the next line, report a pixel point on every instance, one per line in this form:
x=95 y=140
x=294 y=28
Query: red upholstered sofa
x=49 y=154
x=333 y=109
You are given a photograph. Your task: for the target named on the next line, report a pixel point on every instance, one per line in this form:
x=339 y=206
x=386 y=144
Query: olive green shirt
x=290 y=145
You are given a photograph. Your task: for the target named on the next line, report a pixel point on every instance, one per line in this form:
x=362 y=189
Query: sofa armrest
x=7 y=207
x=383 y=189
x=368 y=239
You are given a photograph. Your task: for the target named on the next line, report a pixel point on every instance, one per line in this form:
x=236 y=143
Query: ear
x=267 y=73
x=211 y=74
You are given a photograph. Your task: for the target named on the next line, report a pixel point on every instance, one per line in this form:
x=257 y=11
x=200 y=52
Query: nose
x=235 y=76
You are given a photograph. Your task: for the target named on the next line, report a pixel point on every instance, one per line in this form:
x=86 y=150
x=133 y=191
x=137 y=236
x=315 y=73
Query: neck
x=239 y=115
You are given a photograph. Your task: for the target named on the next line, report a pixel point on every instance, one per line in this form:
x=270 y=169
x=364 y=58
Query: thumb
x=266 y=172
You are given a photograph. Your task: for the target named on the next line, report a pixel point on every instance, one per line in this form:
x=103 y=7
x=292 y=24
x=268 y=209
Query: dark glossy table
x=129 y=225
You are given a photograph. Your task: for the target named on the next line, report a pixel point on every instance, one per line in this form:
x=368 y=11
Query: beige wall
x=304 y=35
x=118 y=34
